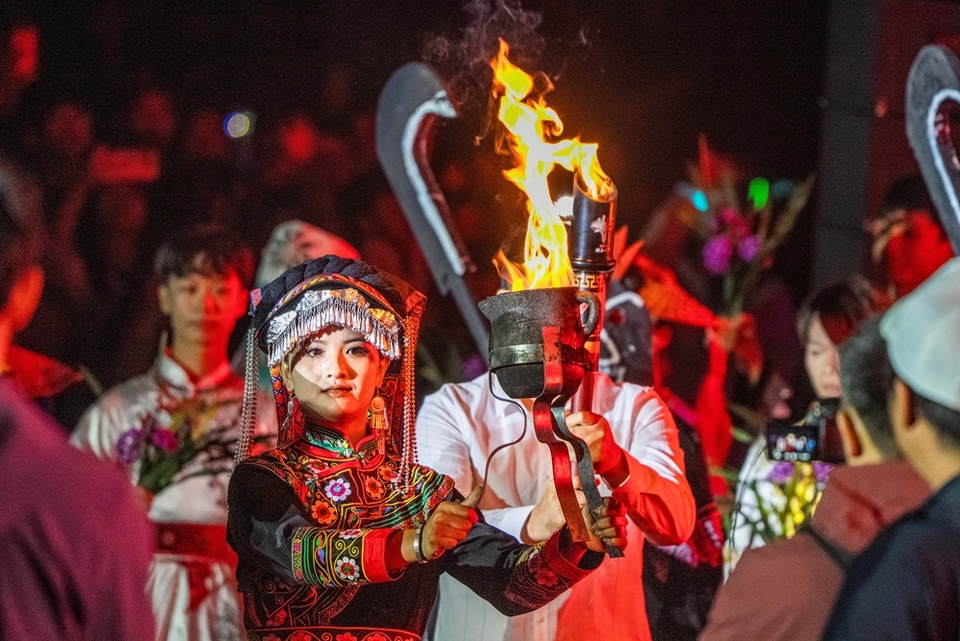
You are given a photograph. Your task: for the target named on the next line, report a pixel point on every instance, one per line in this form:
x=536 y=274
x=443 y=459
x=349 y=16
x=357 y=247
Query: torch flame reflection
x=529 y=123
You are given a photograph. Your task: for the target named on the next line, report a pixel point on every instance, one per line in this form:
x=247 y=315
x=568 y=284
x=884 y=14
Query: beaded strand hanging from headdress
x=341 y=292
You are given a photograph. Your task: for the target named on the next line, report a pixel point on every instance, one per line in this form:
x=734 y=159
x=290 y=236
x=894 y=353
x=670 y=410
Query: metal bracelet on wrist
x=418 y=547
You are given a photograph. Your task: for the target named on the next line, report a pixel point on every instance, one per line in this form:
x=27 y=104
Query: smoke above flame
x=531 y=132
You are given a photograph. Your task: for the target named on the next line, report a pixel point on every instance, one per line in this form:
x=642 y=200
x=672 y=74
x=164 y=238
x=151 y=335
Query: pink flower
x=716 y=255
x=338 y=490
x=164 y=439
x=301 y=636
x=748 y=248
x=346 y=636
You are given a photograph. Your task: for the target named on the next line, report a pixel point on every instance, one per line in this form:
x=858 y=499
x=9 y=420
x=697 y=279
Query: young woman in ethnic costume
x=340 y=533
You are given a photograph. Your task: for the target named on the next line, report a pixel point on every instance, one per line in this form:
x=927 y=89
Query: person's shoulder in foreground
x=907 y=584
x=76 y=548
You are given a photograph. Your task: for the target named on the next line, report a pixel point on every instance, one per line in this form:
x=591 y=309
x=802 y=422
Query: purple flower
x=822 y=471
x=781 y=472
x=716 y=254
x=164 y=439
x=128 y=447
x=748 y=248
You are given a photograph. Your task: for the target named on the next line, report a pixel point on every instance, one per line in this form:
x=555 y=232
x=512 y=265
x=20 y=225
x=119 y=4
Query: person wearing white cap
x=906 y=585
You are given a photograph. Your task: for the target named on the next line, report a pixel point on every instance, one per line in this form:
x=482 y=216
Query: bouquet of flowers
x=739 y=242
x=166 y=442
x=785 y=499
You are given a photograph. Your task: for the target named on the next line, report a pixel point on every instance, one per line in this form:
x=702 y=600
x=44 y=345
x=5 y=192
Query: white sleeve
x=656 y=495
x=99 y=429
x=443 y=442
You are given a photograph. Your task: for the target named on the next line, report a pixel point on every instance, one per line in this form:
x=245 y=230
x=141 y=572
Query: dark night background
x=642 y=78
x=783 y=88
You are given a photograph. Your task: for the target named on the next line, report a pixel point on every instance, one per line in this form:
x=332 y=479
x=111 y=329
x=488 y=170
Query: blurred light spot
x=699 y=200
x=24 y=51
x=781 y=189
x=881 y=108
x=237 y=125
x=759 y=192
x=564 y=207
x=696 y=197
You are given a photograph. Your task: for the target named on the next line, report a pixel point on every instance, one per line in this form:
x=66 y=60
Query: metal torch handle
x=588 y=481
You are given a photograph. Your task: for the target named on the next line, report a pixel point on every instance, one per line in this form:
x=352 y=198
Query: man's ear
x=165 y=299
x=852 y=448
x=902 y=414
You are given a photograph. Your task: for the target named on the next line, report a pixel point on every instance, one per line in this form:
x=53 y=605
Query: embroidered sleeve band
x=339 y=558
x=543 y=573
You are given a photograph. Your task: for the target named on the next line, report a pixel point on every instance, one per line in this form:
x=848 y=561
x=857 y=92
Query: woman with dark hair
x=825 y=320
x=340 y=533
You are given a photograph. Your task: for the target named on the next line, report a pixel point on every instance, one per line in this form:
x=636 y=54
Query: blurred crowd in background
x=114 y=189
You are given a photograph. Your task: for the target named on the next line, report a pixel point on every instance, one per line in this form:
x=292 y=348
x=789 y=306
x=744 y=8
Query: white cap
x=922 y=331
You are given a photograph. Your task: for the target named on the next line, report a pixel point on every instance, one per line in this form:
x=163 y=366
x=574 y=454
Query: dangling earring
x=379 y=422
x=291 y=410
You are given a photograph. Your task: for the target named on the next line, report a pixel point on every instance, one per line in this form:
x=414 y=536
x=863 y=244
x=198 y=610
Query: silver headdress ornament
x=319 y=308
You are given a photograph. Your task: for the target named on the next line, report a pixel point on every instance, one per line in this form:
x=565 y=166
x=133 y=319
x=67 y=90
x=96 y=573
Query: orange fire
x=529 y=123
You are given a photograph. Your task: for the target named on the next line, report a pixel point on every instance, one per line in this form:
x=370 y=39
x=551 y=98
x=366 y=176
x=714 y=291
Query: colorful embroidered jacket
x=310 y=524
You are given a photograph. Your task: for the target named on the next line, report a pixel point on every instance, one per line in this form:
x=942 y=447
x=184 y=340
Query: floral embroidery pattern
x=329 y=559
x=337 y=490
x=347 y=569
x=534 y=582
x=323 y=513
x=546 y=577
x=373 y=487
x=349 y=634
x=387 y=473
x=278 y=618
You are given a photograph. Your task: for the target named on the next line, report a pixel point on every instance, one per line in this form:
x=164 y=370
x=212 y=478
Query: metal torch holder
x=536 y=351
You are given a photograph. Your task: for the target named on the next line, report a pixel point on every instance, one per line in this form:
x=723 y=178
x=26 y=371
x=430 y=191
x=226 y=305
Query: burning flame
x=529 y=123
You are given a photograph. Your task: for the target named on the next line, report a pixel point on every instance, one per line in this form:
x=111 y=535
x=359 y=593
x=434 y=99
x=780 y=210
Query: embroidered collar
x=319 y=437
